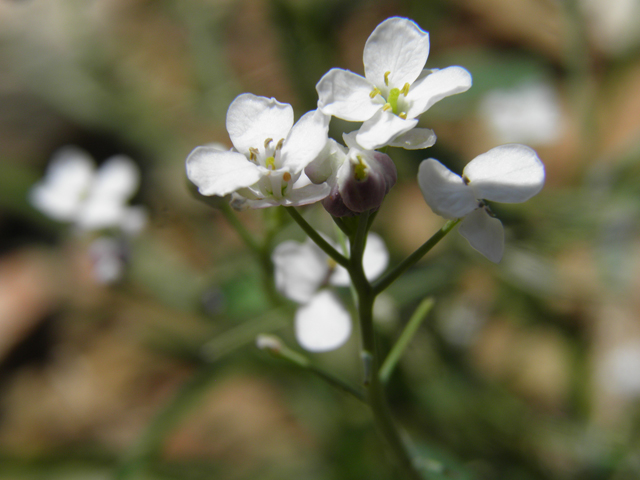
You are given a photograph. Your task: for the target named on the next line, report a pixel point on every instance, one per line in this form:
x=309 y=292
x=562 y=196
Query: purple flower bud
x=362 y=183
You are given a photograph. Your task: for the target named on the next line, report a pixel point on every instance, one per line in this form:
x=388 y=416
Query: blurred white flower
x=529 y=113
x=613 y=24
x=620 y=371
x=508 y=173
x=74 y=191
x=302 y=270
x=395 y=89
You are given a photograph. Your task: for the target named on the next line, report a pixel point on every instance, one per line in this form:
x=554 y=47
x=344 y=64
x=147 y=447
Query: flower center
x=269 y=156
x=394 y=101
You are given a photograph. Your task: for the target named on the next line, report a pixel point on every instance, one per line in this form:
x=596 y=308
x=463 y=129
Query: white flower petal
x=117 y=178
x=509 y=173
x=295 y=198
x=415 y=139
x=323 y=324
x=220 y=173
x=398 y=46
x=327 y=163
x=300 y=269
x=252 y=119
x=97 y=213
x=67 y=179
x=484 y=233
x=380 y=129
x=436 y=86
x=305 y=141
x=444 y=191
x=374 y=261
x=345 y=95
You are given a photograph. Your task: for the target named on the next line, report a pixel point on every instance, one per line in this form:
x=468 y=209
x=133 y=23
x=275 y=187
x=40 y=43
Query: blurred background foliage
x=525 y=370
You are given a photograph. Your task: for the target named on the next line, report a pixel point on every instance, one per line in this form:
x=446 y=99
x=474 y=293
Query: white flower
x=529 y=113
x=302 y=270
x=265 y=168
x=74 y=191
x=395 y=89
x=508 y=173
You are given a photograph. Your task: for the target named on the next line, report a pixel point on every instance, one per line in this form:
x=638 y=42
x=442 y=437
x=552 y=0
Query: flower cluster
x=274 y=162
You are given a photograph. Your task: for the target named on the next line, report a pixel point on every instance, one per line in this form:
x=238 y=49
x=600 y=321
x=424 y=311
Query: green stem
x=247 y=238
x=375 y=393
x=317 y=238
x=383 y=283
x=405 y=337
x=342 y=225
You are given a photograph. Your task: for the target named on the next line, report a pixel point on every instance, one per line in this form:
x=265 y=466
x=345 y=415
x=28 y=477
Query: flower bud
x=363 y=181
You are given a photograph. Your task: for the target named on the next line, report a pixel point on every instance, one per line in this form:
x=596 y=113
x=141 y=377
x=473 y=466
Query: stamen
x=405 y=89
x=403 y=115
x=253 y=153
x=267 y=142
x=286 y=176
x=279 y=144
x=466 y=180
x=375 y=92
x=386 y=78
x=387 y=106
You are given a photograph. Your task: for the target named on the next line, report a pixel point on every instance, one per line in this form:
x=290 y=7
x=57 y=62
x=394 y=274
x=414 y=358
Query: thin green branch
x=405 y=338
x=317 y=238
x=247 y=238
x=274 y=346
x=383 y=282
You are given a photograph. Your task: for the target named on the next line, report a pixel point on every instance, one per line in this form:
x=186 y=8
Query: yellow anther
x=332 y=263
x=267 y=142
x=270 y=162
x=253 y=153
x=386 y=78
x=403 y=115
x=387 y=106
x=279 y=144
x=376 y=91
x=405 y=89
x=286 y=176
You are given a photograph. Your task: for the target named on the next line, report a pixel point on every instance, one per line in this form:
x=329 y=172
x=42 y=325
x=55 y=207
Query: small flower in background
x=74 y=191
x=529 y=113
x=620 y=370
x=359 y=178
x=302 y=270
x=612 y=24
x=265 y=168
x=395 y=90
x=508 y=173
